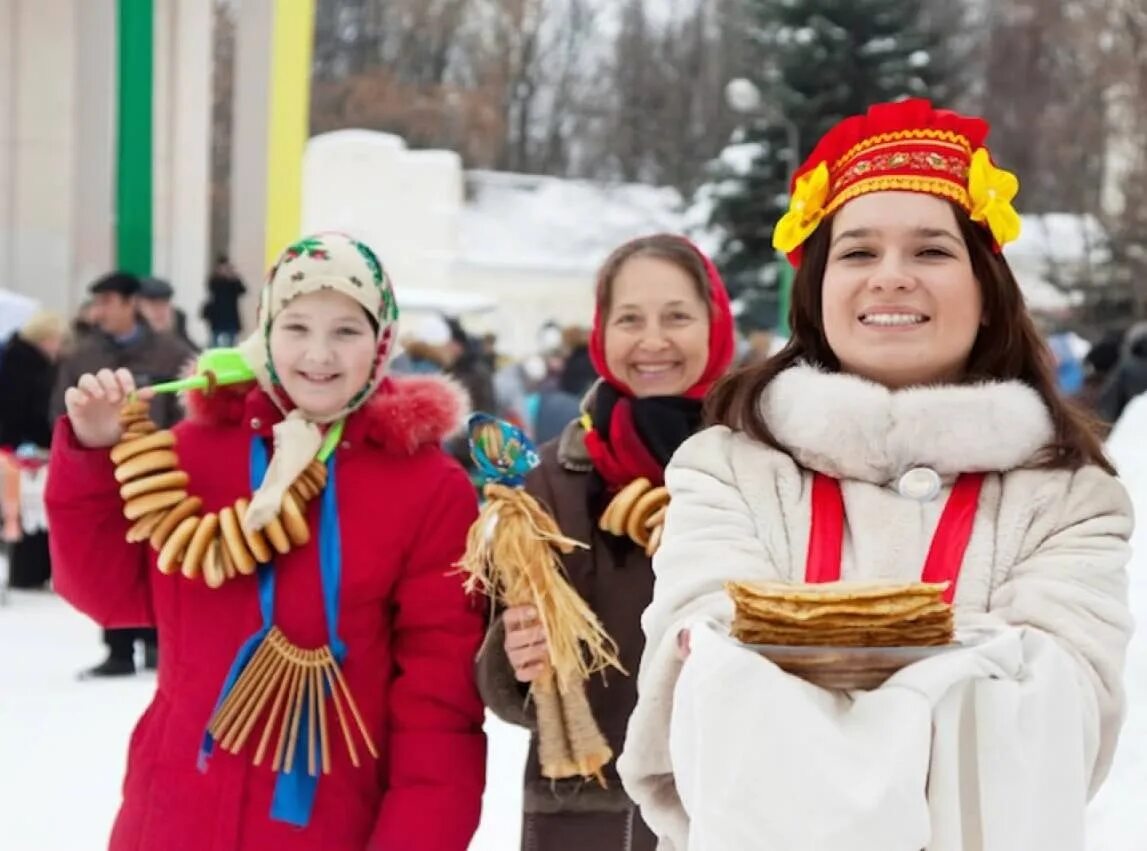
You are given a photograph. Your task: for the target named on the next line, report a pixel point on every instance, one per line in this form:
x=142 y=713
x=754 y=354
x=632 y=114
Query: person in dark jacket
x=159 y=311
x=221 y=310
x=124 y=340
x=662 y=335
x=27 y=376
x=1128 y=379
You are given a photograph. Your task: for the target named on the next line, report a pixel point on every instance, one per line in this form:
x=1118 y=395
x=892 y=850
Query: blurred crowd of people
x=132 y=322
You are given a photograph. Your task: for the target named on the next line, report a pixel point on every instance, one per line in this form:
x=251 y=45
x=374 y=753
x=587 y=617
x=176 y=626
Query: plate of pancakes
x=843 y=635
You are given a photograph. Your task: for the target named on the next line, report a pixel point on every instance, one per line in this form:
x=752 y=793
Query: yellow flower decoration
x=992 y=191
x=806 y=209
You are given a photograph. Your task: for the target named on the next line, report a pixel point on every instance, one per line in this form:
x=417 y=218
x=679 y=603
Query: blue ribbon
x=294 y=796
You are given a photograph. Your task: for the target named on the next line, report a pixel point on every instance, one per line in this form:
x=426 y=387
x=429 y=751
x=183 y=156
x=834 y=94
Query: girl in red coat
x=376 y=584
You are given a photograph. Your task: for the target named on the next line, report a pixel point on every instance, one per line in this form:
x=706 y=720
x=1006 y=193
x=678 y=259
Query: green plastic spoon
x=227 y=366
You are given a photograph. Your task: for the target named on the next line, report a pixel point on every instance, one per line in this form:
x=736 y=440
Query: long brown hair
x=1008 y=347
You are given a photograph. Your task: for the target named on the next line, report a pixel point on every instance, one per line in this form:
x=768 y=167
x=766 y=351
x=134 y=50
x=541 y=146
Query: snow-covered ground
x=62 y=742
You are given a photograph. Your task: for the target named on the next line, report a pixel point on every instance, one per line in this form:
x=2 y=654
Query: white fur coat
x=1048 y=550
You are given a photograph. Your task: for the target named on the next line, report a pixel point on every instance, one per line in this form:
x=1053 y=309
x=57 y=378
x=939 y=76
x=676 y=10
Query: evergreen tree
x=818 y=61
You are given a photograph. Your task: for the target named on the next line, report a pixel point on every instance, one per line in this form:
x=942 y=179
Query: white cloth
x=1049 y=548
x=33 y=515
x=970 y=750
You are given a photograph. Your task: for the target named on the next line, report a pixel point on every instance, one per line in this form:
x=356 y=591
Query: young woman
x=914 y=384
x=662 y=334
x=389 y=606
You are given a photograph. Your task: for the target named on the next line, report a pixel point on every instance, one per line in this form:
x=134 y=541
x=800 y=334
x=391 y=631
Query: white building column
x=7 y=137
x=182 y=150
x=42 y=165
x=94 y=153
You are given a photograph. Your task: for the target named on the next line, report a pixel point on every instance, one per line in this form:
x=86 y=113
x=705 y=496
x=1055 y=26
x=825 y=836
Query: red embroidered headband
x=906 y=146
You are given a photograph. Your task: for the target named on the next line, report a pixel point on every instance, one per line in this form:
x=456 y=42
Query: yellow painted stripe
x=288 y=125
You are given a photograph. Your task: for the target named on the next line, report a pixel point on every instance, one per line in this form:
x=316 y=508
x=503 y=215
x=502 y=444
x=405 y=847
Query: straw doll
x=513 y=555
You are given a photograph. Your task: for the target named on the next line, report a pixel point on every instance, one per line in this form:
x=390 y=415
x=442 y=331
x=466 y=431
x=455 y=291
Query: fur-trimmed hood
x=847 y=427
x=404 y=414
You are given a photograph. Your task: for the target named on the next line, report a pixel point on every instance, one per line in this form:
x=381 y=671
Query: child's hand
x=94 y=404
x=525 y=644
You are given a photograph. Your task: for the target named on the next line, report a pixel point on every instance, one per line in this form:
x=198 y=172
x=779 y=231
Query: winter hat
x=721 y=332
x=121 y=283
x=322 y=261
x=907 y=146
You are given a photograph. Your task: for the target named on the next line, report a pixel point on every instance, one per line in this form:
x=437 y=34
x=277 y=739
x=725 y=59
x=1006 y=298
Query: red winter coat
x=410 y=630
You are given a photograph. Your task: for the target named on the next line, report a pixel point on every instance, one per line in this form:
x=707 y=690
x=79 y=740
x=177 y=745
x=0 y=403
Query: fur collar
x=572 y=453
x=404 y=414
x=848 y=427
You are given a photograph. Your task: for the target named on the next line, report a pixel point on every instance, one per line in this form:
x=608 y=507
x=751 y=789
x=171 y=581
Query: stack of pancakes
x=841 y=614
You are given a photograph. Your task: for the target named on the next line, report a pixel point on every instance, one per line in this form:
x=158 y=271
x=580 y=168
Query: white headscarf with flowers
x=322 y=261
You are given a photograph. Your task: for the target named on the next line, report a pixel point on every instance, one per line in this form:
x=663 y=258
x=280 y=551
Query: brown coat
x=151 y=358
x=616 y=579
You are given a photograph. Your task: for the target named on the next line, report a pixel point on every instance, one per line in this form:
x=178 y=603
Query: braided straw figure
x=513 y=555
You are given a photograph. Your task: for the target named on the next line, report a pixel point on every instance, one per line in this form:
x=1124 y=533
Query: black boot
x=110 y=667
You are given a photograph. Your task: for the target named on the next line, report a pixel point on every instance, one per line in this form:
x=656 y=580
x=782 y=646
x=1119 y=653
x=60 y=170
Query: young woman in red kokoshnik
x=910 y=429
x=316 y=685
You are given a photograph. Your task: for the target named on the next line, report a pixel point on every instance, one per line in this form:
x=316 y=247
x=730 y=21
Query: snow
x=528 y=221
x=739 y=158
x=62 y=742
x=1059 y=238
x=1116 y=820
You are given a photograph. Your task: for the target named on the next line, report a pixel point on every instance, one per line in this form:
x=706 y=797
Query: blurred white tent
x=454 y=303
x=15 y=310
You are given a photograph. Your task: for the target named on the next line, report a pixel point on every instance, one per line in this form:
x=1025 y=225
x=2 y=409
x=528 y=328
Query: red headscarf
x=616 y=445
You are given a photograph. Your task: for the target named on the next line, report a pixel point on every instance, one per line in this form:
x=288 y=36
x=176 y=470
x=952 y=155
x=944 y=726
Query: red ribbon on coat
x=945 y=555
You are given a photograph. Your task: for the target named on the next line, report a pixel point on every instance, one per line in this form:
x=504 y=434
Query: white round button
x=922 y=484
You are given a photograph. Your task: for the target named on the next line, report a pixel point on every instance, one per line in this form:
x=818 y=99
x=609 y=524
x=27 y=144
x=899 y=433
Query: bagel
x=175 y=480
x=256 y=540
x=654 y=541
x=625 y=500
x=188 y=508
x=303 y=489
x=235 y=550
x=643 y=508
x=295 y=521
x=657 y=517
x=155 y=461
x=605 y=522
x=144 y=526
x=142 y=505
x=197 y=546
x=214 y=574
x=129 y=449
x=175 y=545
x=134 y=411
x=140 y=428
x=277 y=536
x=225 y=559
x=316 y=474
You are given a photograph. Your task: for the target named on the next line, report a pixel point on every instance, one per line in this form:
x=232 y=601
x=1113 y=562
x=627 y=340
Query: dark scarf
x=634 y=437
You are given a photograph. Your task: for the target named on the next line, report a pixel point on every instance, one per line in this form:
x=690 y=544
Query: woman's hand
x=94 y=404
x=525 y=644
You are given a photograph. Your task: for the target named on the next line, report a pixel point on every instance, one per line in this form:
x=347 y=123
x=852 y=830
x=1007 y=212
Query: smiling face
x=323 y=348
x=901 y=305
x=656 y=328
